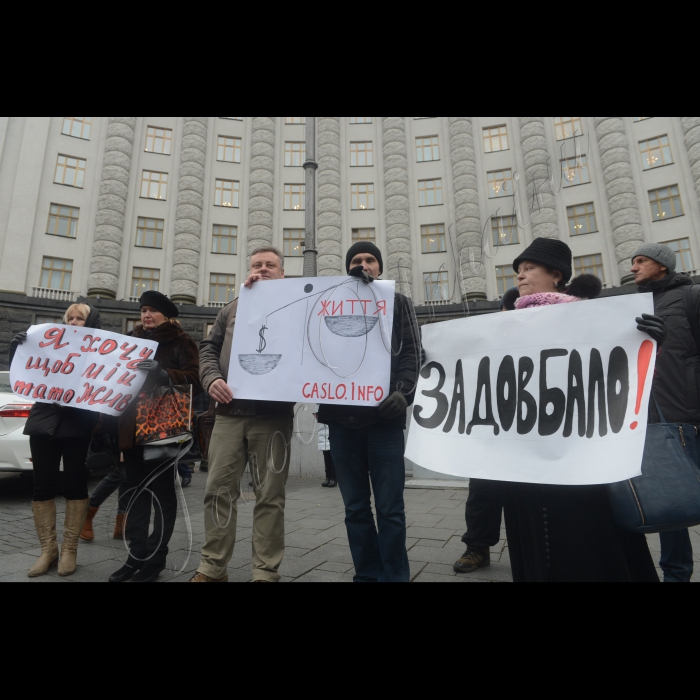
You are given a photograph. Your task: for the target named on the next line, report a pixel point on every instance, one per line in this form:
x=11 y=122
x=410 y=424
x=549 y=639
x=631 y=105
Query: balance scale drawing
x=348 y=326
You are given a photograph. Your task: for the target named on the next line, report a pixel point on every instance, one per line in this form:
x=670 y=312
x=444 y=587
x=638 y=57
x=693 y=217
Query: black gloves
x=654 y=326
x=155 y=371
x=361 y=274
x=20 y=339
x=394 y=407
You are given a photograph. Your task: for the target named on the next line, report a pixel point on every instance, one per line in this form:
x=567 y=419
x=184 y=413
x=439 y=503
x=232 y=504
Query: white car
x=15 y=455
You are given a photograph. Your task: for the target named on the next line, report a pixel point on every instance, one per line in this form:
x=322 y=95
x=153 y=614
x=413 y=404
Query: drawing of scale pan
x=351 y=326
x=258 y=365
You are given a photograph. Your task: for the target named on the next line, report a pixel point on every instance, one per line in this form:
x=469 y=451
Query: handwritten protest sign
x=320 y=340
x=79 y=367
x=553 y=395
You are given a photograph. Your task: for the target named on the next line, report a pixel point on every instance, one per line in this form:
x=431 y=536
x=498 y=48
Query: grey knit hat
x=662 y=254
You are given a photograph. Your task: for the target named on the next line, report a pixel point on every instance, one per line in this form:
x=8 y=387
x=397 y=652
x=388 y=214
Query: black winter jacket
x=62 y=422
x=406 y=359
x=677 y=379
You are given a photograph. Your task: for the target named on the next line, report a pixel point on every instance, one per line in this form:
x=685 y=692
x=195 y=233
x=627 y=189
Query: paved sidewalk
x=317 y=545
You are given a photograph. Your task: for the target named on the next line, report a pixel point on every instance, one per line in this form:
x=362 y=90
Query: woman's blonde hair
x=82 y=309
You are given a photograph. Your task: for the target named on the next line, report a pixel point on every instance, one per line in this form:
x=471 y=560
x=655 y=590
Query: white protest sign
x=319 y=340
x=552 y=395
x=80 y=367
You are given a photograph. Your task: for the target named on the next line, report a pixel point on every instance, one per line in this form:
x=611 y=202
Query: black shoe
x=332 y=484
x=326 y=483
x=204 y=470
x=186 y=481
x=149 y=574
x=124 y=574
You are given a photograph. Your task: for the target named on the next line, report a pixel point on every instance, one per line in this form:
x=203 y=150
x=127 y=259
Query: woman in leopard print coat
x=176 y=361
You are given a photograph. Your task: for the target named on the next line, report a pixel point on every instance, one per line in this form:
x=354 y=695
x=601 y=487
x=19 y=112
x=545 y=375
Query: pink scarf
x=548 y=299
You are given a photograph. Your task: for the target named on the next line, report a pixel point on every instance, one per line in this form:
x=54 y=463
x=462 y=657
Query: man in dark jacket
x=677 y=381
x=370 y=441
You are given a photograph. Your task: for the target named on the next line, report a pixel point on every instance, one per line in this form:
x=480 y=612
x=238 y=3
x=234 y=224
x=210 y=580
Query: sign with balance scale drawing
x=319 y=340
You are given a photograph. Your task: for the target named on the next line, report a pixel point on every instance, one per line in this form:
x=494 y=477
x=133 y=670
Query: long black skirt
x=567 y=534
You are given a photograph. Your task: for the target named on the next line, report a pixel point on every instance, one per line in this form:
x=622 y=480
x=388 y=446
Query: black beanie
x=365 y=247
x=550 y=252
x=161 y=303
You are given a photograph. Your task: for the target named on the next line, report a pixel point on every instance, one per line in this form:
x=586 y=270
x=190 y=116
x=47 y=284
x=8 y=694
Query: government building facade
x=108 y=207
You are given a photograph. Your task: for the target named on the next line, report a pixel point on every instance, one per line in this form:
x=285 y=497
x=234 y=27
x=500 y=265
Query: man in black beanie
x=367 y=445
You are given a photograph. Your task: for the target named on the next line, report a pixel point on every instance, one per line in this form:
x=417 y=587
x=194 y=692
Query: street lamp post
x=310 y=166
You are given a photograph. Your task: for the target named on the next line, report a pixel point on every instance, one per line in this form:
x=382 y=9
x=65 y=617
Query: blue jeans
x=113 y=481
x=373 y=455
x=677 y=550
x=677 y=557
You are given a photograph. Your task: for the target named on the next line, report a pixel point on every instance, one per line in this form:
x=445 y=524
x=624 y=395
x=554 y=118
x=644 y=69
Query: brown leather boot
x=88 y=534
x=120 y=527
x=76 y=512
x=45 y=523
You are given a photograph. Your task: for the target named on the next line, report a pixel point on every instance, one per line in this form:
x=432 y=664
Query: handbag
x=164 y=414
x=205 y=428
x=667 y=495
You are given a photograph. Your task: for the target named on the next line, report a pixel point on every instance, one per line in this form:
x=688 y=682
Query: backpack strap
x=692 y=313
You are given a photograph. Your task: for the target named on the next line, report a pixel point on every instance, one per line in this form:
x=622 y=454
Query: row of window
x=57 y=273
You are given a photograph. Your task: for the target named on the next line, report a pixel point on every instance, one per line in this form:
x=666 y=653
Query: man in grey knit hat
x=677 y=381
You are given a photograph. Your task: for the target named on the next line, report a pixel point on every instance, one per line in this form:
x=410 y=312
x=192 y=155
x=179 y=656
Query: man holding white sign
x=247 y=432
x=367 y=443
x=553 y=398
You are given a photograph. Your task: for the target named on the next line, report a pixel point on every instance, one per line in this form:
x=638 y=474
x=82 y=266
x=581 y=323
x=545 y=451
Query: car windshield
x=5 y=387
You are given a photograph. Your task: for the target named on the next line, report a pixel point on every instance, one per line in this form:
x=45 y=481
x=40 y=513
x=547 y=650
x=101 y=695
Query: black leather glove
x=654 y=326
x=20 y=339
x=394 y=407
x=360 y=274
x=155 y=371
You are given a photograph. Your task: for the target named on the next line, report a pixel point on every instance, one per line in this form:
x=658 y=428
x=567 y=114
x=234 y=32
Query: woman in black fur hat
x=176 y=361
x=567 y=533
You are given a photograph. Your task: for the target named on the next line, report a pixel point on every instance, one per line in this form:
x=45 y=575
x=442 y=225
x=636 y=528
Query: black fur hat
x=161 y=303
x=585 y=287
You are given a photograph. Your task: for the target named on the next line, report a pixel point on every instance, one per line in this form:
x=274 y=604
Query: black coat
x=677 y=378
x=567 y=534
x=406 y=359
x=62 y=422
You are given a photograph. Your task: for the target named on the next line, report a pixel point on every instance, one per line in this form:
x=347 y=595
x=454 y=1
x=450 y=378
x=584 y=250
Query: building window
x=225 y=240
x=56 y=273
x=437 y=286
x=63 y=221
x=590 y=265
x=222 y=288
x=294 y=239
x=433 y=239
x=149 y=233
x=684 y=256
x=144 y=279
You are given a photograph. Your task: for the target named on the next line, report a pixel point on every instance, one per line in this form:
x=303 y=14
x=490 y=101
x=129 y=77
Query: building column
x=330 y=224
x=468 y=226
x=111 y=208
x=691 y=130
x=184 y=284
x=626 y=220
x=399 y=263
x=262 y=184
x=538 y=169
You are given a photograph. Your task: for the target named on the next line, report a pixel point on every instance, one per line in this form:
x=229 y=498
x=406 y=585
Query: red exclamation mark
x=645 y=355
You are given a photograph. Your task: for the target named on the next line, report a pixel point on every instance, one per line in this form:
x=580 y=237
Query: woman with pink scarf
x=563 y=534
